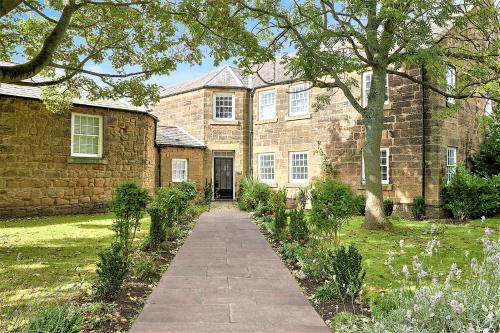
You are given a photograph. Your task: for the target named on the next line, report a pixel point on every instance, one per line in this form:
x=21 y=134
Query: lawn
x=455 y=240
x=48 y=257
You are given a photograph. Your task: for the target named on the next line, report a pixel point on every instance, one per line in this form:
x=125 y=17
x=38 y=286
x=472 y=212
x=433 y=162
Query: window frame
x=451 y=84
x=290 y=159
x=382 y=181
x=100 y=136
x=186 y=169
x=261 y=94
x=488 y=106
x=233 y=106
x=306 y=90
x=364 y=95
x=449 y=175
x=259 y=167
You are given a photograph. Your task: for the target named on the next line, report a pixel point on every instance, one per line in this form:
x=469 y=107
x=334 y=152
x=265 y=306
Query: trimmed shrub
x=277 y=203
x=252 y=193
x=188 y=188
x=111 y=270
x=331 y=207
x=471 y=196
x=129 y=206
x=360 y=204
x=157 y=228
x=298 y=226
x=208 y=193
x=172 y=202
x=418 y=207
x=56 y=319
x=345 y=274
x=388 y=206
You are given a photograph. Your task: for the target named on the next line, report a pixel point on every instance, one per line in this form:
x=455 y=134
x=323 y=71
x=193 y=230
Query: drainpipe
x=424 y=109
x=158 y=149
x=250 y=126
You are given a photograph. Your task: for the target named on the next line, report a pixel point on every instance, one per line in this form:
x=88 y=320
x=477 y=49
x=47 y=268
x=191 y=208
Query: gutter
x=424 y=109
x=250 y=126
x=158 y=149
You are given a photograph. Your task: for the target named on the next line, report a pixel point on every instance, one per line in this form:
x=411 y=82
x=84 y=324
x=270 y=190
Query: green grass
x=374 y=245
x=41 y=259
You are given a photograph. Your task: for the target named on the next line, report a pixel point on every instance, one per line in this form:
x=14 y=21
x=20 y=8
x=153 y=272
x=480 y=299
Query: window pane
x=267 y=104
x=299 y=99
x=266 y=166
x=86 y=134
x=179 y=170
x=224 y=107
x=299 y=166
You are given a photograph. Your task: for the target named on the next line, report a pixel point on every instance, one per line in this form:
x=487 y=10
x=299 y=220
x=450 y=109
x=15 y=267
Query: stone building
x=265 y=126
x=69 y=163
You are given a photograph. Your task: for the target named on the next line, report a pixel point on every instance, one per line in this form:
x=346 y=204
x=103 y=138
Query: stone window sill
x=86 y=160
x=388 y=106
x=224 y=123
x=271 y=184
x=296 y=185
x=266 y=121
x=385 y=187
x=292 y=118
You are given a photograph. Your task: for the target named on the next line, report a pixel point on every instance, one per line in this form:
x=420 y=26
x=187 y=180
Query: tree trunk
x=374 y=123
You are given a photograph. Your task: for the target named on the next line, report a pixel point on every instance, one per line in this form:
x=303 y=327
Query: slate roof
x=226 y=76
x=175 y=136
x=271 y=72
x=34 y=92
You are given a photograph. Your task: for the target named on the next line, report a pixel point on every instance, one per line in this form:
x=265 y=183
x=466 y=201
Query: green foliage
x=128 y=206
x=111 y=270
x=418 y=207
x=293 y=251
x=360 y=204
x=388 y=206
x=331 y=207
x=55 y=319
x=426 y=303
x=208 y=193
x=188 y=187
x=91 y=43
x=157 y=228
x=471 y=196
x=345 y=274
x=277 y=202
x=298 y=225
x=487 y=162
x=172 y=202
x=145 y=267
x=302 y=197
x=252 y=193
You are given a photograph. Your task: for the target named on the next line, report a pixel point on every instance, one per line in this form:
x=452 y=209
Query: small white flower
x=483 y=218
x=405 y=270
x=457 y=306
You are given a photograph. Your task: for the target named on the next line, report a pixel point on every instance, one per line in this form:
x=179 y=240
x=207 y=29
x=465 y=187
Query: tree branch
x=6 y=6
x=14 y=74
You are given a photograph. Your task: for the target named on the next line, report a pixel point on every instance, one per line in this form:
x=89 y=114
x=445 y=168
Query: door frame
x=213 y=173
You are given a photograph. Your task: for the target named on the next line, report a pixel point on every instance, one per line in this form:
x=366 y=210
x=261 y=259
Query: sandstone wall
x=37 y=174
x=195 y=165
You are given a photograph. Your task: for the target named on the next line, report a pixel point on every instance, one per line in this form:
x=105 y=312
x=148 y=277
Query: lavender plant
x=423 y=303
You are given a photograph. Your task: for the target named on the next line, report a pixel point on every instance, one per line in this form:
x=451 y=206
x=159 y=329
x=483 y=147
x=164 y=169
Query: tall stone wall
x=194 y=157
x=37 y=174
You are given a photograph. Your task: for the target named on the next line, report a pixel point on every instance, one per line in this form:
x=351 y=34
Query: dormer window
x=223 y=106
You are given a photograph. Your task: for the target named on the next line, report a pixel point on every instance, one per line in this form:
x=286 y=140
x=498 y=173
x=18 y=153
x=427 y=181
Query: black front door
x=223 y=178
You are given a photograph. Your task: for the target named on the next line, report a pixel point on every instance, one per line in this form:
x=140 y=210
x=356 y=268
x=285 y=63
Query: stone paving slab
x=227 y=278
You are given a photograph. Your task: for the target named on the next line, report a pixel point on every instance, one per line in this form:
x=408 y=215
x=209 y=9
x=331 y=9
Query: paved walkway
x=227 y=278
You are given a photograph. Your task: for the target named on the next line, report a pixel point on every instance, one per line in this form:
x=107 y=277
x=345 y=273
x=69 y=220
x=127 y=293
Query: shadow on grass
x=53 y=220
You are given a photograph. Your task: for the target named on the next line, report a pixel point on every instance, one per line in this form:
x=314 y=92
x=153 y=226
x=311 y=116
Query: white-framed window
x=179 y=169
x=267 y=104
x=488 y=107
x=299 y=166
x=224 y=106
x=367 y=84
x=451 y=79
x=86 y=135
x=266 y=167
x=299 y=99
x=451 y=163
x=384 y=166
